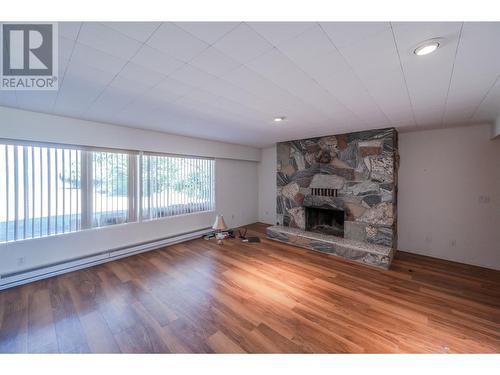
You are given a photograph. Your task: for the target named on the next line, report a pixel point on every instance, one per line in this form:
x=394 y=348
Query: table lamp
x=219 y=226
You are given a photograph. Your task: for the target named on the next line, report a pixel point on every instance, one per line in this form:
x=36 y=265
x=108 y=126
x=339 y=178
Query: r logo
x=27 y=49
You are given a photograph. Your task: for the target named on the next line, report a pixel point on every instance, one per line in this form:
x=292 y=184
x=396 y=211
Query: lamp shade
x=219 y=223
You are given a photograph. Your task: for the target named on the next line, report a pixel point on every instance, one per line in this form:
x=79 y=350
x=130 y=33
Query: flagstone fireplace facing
x=337 y=194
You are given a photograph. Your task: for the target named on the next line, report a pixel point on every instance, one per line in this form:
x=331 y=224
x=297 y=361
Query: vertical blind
x=110 y=192
x=176 y=185
x=47 y=189
x=39 y=191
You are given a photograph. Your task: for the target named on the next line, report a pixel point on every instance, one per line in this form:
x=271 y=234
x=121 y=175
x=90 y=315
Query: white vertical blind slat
x=7 y=188
x=32 y=152
x=25 y=191
x=49 y=191
x=63 y=167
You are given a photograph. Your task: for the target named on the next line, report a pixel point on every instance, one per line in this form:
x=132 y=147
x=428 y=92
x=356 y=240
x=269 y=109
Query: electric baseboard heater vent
x=8 y=280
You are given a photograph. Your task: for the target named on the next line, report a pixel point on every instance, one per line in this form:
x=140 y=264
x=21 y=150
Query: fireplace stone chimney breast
x=358 y=178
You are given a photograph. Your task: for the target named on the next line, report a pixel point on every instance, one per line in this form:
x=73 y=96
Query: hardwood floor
x=198 y=297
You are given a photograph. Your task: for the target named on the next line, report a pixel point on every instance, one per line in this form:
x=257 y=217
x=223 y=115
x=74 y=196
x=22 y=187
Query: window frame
x=213 y=202
x=134 y=184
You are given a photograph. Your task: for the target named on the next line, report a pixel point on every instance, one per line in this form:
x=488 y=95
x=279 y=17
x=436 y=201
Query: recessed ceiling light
x=279 y=119
x=426 y=48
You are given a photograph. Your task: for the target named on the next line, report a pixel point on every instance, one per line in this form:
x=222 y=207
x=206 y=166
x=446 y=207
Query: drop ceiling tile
x=191 y=105
x=279 y=32
x=427 y=77
x=129 y=86
x=388 y=89
x=227 y=90
x=489 y=109
x=176 y=42
x=410 y=34
x=109 y=103
x=243 y=44
x=273 y=98
x=209 y=32
x=251 y=81
x=78 y=71
x=81 y=86
x=169 y=91
x=476 y=68
x=192 y=76
x=69 y=29
x=173 y=87
x=137 y=73
x=345 y=34
x=97 y=59
x=379 y=49
x=158 y=100
x=312 y=44
x=65 y=48
x=133 y=115
x=108 y=40
x=214 y=62
x=201 y=125
x=432 y=116
x=42 y=101
x=138 y=111
x=314 y=54
x=159 y=97
x=277 y=68
x=156 y=60
x=242 y=111
x=202 y=101
x=76 y=96
x=460 y=112
x=140 y=31
x=382 y=77
x=62 y=67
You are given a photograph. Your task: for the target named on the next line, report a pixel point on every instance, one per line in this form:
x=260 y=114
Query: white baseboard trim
x=44 y=272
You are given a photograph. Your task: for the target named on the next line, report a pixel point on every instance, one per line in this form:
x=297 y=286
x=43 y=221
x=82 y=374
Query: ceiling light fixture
x=426 y=47
x=279 y=119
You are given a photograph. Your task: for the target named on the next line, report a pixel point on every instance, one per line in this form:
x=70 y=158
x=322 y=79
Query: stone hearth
x=373 y=255
x=354 y=173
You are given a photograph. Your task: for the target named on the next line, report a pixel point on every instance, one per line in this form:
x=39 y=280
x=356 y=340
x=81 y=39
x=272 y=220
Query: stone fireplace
x=337 y=194
x=325 y=220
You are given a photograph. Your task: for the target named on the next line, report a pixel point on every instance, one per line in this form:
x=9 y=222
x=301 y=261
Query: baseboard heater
x=9 y=280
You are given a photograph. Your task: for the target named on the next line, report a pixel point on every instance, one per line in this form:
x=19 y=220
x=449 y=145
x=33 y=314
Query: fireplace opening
x=326 y=221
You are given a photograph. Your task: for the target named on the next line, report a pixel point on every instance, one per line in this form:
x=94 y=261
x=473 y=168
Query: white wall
x=448 y=197
x=236 y=191
x=495 y=128
x=267 y=186
x=235 y=186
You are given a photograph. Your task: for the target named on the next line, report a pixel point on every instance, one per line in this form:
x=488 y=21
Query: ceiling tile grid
x=228 y=80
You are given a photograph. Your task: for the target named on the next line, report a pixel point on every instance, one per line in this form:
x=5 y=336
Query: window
x=110 y=188
x=47 y=189
x=40 y=191
x=176 y=185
